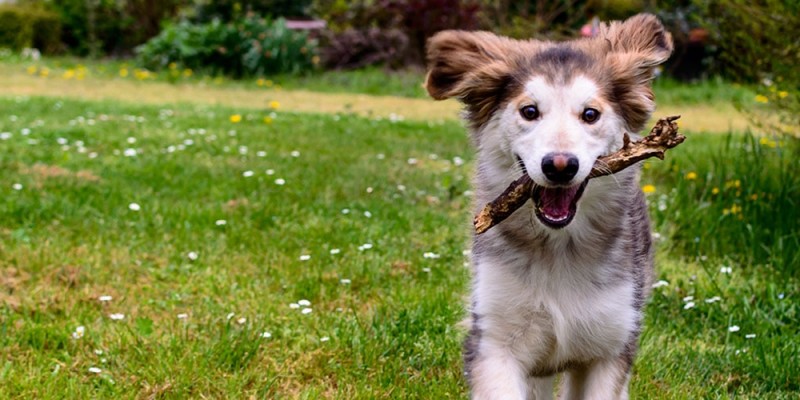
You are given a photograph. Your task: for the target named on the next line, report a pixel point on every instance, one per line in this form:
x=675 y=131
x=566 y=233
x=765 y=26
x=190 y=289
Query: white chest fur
x=551 y=316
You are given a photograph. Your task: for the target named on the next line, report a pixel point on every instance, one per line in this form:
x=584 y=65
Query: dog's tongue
x=555 y=203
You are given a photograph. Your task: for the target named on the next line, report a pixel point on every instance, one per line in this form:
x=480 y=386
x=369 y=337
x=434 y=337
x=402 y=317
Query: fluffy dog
x=560 y=285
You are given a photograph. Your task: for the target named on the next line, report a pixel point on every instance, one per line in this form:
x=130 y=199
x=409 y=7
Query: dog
x=559 y=286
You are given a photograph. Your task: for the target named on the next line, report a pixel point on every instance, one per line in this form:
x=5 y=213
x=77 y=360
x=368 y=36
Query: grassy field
x=198 y=250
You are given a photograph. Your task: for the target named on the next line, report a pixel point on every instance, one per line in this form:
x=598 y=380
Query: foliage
x=557 y=19
x=248 y=47
x=758 y=42
x=97 y=27
x=29 y=27
x=232 y=10
x=358 y=48
x=415 y=19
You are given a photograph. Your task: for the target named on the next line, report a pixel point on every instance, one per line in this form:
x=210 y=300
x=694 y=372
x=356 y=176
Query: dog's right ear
x=455 y=59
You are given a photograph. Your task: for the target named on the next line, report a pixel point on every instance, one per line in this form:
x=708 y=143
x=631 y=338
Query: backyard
x=288 y=238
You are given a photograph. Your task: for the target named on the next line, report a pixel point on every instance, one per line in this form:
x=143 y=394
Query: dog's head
x=553 y=108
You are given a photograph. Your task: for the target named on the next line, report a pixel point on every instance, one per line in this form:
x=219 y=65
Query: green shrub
x=249 y=47
x=22 y=27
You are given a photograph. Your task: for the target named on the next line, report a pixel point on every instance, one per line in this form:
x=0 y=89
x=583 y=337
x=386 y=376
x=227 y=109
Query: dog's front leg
x=601 y=380
x=495 y=374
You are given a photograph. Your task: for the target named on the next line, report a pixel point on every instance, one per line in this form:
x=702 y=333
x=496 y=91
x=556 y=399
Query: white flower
x=295 y=153
x=412 y=161
x=241 y=320
x=261 y=153
x=750 y=336
x=79 y=332
x=369 y=189
x=130 y=152
x=335 y=251
x=25 y=131
x=660 y=284
x=713 y=299
x=134 y=207
x=365 y=246
x=345 y=281
x=725 y=270
x=304 y=303
x=220 y=222
x=733 y=328
x=95 y=370
x=306 y=311
x=280 y=181
x=688 y=305
x=688 y=298
x=117 y=316
x=345 y=211
x=183 y=316
x=229 y=316
x=104 y=298
x=324 y=339
x=380 y=156
x=430 y=255
x=401 y=188
x=426 y=269
x=131 y=140
x=248 y=174
x=98 y=352
x=192 y=255
x=270 y=172
x=294 y=306
x=17 y=186
x=367 y=214
x=266 y=335
x=5 y=135
x=305 y=257
x=458 y=161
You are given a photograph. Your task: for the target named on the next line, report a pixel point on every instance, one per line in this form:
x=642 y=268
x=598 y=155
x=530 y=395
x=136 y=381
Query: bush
x=23 y=27
x=232 y=10
x=249 y=47
x=357 y=48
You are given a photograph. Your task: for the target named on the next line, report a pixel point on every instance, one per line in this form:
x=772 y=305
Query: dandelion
x=715 y=191
x=274 y=105
x=31 y=70
x=735 y=209
x=116 y=316
x=761 y=99
x=123 y=73
x=188 y=73
x=267 y=120
x=782 y=94
x=733 y=328
x=754 y=196
x=236 y=118
x=134 y=207
x=647 y=189
x=691 y=176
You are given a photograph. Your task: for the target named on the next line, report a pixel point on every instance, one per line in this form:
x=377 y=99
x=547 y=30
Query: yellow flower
x=691 y=176
x=32 y=70
x=260 y=82
x=69 y=74
x=715 y=191
x=268 y=83
x=267 y=120
x=782 y=94
x=44 y=72
x=274 y=105
x=123 y=72
x=236 y=118
x=754 y=196
x=648 y=188
x=762 y=99
x=735 y=209
x=173 y=65
x=315 y=60
x=187 y=72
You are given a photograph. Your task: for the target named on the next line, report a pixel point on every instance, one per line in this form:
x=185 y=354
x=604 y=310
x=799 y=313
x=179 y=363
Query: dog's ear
x=641 y=42
x=456 y=58
x=635 y=47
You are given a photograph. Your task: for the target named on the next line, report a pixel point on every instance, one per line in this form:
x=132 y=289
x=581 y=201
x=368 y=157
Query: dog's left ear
x=640 y=43
x=635 y=47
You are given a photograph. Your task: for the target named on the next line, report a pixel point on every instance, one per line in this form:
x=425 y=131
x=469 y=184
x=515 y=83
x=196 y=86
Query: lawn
x=198 y=249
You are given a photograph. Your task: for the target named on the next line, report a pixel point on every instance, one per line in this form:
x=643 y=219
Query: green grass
x=69 y=236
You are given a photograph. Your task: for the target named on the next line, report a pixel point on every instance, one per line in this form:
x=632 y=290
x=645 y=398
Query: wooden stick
x=663 y=136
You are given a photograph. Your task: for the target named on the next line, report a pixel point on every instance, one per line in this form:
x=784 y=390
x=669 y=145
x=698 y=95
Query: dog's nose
x=560 y=167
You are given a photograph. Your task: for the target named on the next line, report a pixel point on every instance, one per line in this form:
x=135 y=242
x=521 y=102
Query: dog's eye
x=529 y=112
x=590 y=115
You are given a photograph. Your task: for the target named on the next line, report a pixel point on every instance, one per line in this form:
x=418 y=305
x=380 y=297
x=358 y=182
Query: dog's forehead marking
x=578 y=92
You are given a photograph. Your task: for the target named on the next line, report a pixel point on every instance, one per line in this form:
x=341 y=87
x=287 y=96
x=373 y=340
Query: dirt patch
x=42 y=172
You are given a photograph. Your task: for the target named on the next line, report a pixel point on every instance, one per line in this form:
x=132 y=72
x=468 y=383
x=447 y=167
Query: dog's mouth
x=556 y=206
